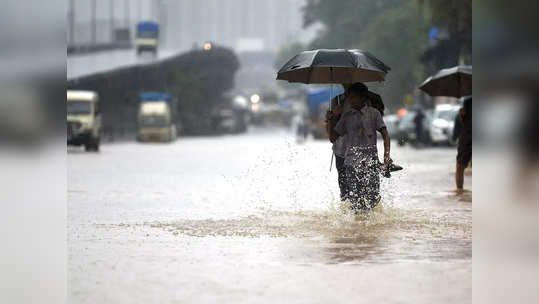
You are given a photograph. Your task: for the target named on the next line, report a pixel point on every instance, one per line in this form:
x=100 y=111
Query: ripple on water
x=384 y=234
x=336 y=222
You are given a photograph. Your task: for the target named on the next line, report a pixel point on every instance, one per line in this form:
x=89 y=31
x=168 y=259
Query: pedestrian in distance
x=358 y=125
x=464 y=148
x=418 y=124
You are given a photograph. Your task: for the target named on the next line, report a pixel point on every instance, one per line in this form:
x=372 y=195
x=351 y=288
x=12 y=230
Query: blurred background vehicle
x=147 y=37
x=318 y=103
x=406 y=130
x=83 y=119
x=156 y=117
x=392 y=123
x=230 y=121
x=442 y=124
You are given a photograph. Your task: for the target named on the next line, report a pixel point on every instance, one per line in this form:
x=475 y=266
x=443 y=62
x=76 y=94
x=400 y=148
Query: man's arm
x=387 y=145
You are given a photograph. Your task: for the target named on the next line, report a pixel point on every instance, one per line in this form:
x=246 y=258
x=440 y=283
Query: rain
x=207 y=173
x=283 y=151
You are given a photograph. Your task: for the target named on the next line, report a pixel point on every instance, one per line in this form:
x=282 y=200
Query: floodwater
x=256 y=218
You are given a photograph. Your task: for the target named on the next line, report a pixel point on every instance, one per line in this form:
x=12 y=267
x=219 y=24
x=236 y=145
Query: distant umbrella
x=452 y=82
x=333 y=66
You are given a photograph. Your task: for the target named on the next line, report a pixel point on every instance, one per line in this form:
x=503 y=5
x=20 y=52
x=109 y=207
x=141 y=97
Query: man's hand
x=387 y=160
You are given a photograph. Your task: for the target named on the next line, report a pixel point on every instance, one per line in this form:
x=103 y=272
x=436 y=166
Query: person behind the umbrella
x=359 y=124
x=338 y=105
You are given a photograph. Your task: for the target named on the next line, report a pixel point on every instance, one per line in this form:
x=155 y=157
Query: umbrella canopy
x=453 y=82
x=333 y=66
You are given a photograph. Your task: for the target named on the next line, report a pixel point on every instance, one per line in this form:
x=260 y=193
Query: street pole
x=152 y=11
x=72 y=22
x=111 y=22
x=163 y=20
x=94 y=37
x=126 y=16
x=139 y=11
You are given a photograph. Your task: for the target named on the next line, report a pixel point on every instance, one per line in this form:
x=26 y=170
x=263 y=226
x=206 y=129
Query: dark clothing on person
x=339 y=163
x=464 y=154
x=464 y=149
x=376 y=102
x=457 y=128
x=418 y=122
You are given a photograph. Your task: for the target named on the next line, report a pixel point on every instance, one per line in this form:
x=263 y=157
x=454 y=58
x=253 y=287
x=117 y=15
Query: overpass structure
x=101 y=62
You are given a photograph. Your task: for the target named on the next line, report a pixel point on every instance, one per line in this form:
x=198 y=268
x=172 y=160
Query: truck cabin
x=154 y=114
x=154 y=110
x=82 y=103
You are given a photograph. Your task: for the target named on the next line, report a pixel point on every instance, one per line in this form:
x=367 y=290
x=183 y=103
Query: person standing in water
x=464 y=150
x=359 y=124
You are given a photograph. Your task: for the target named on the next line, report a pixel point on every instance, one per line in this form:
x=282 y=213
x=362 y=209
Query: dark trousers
x=339 y=163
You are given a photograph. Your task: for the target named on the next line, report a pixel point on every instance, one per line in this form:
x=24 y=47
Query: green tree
x=398 y=37
x=456 y=17
x=343 y=20
x=395 y=31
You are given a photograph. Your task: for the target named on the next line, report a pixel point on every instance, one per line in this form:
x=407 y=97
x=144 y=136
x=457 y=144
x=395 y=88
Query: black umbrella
x=333 y=66
x=453 y=82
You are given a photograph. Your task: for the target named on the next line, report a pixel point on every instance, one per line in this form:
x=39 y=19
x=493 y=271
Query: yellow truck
x=83 y=119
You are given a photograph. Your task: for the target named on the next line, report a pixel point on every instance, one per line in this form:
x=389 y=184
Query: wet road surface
x=256 y=218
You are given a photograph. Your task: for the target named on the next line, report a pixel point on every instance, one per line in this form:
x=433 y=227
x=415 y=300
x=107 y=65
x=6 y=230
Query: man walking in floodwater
x=358 y=125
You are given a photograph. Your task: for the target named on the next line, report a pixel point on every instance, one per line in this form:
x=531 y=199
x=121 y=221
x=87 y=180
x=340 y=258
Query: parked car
x=443 y=123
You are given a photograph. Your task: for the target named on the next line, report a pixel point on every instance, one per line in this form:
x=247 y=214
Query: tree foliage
x=344 y=20
x=395 y=31
x=399 y=38
x=456 y=17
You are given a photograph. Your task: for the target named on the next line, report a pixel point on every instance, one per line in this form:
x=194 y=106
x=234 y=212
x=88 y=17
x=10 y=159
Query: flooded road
x=256 y=218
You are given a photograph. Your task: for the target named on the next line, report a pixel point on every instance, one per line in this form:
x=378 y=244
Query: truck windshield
x=78 y=107
x=153 y=121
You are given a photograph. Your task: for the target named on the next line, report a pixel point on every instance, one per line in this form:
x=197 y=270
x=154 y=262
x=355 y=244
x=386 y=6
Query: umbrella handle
x=331 y=162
